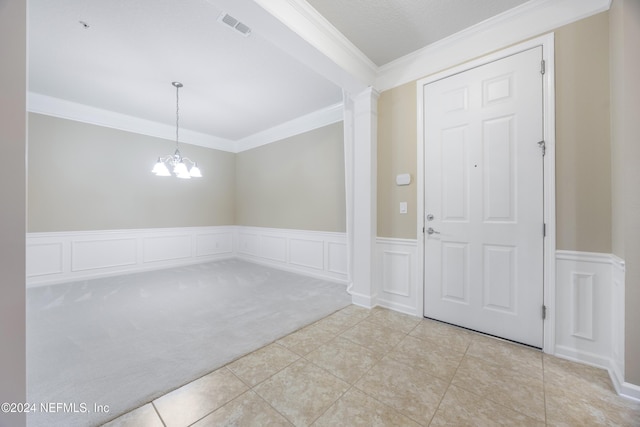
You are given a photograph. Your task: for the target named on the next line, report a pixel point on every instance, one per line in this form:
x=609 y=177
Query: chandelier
x=175 y=161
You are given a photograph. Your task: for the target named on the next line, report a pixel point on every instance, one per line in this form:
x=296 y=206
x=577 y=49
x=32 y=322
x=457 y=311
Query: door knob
x=432 y=231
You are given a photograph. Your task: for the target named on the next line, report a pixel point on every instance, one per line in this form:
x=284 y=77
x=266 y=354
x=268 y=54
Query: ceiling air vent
x=232 y=22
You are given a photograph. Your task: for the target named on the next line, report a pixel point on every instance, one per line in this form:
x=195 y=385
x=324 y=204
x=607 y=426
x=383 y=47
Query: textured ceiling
x=385 y=30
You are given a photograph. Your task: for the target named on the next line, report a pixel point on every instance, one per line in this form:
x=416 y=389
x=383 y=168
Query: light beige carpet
x=123 y=341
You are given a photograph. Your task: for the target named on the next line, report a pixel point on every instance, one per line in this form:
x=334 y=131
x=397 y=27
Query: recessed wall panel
x=337 y=258
x=274 y=248
x=249 y=244
x=45 y=258
x=214 y=244
x=306 y=253
x=165 y=248
x=582 y=305
x=95 y=254
x=396 y=268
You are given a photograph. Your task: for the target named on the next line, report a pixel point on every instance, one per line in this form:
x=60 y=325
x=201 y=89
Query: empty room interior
x=317 y=212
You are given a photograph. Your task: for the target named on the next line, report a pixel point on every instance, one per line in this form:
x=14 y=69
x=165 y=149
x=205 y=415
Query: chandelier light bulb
x=181 y=169
x=195 y=171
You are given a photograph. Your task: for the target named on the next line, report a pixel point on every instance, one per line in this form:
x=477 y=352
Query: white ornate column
x=360 y=129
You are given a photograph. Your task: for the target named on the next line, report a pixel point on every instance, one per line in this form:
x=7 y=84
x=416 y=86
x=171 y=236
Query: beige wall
x=87 y=177
x=296 y=183
x=397 y=133
x=583 y=151
x=625 y=139
x=13 y=131
x=582 y=137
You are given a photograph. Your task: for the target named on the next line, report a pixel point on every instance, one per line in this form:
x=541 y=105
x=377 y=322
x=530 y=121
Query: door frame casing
x=549 y=244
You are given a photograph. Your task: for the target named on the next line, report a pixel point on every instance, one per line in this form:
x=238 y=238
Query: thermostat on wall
x=403 y=179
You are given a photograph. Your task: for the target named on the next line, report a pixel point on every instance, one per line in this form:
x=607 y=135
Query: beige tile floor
x=377 y=367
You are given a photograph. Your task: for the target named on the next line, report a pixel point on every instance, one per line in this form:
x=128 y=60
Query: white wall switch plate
x=403 y=207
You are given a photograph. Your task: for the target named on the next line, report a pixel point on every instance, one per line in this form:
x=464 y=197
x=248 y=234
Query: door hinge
x=544 y=229
x=544 y=312
x=543 y=67
x=543 y=146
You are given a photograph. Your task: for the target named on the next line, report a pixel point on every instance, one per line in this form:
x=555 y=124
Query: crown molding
x=513 y=26
x=56 y=107
x=316 y=30
x=308 y=122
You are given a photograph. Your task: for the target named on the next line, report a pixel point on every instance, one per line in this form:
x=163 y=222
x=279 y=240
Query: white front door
x=484 y=198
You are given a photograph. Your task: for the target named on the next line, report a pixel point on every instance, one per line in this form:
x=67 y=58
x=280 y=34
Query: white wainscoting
x=584 y=306
x=314 y=253
x=68 y=256
x=616 y=369
x=590 y=313
x=396 y=275
x=589 y=319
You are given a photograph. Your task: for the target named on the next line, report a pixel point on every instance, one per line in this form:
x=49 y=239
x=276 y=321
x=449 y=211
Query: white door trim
x=547 y=43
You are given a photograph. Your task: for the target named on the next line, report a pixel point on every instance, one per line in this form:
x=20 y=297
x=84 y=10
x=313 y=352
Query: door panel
x=455 y=272
x=484 y=188
x=455 y=182
x=498 y=157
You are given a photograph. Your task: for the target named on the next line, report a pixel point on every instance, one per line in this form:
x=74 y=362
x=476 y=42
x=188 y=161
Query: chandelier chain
x=177 y=112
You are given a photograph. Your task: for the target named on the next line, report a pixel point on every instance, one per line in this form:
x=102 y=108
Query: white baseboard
x=365 y=301
x=583 y=357
x=61 y=257
x=628 y=390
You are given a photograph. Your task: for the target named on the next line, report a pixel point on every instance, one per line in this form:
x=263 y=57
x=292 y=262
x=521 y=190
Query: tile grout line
x=350 y=385
x=250 y=388
x=446 y=390
x=226 y=366
x=476 y=335
x=373 y=366
x=544 y=390
x=158 y=414
x=304 y=357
